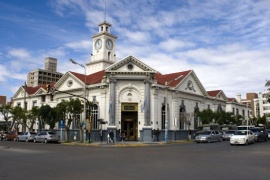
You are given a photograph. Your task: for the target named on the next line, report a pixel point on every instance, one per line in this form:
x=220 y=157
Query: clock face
x=109 y=44
x=98 y=44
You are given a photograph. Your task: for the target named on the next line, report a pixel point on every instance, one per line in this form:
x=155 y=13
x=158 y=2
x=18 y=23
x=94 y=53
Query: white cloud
x=19 y=53
x=174 y=44
x=80 y=45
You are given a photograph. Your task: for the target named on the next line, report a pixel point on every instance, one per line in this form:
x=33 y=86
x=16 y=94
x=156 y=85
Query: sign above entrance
x=129 y=107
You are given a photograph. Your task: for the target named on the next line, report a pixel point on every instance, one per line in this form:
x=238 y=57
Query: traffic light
x=48 y=88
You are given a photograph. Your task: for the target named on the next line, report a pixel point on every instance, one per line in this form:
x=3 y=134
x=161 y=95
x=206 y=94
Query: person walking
x=154 y=135
x=157 y=134
x=123 y=136
x=101 y=135
x=111 y=134
x=108 y=138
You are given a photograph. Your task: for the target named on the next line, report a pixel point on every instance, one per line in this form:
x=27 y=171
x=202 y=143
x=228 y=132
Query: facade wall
x=261 y=105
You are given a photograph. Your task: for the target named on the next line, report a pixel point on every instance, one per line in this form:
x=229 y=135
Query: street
x=220 y=160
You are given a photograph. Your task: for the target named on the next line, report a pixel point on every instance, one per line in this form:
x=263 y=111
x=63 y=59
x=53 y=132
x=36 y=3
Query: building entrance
x=129 y=121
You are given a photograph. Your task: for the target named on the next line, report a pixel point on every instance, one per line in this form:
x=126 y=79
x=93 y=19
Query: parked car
x=3 y=135
x=261 y=134
x=209 y=136
x=228 y=134
x=12 y=136
x=47 y=137
x=27 y=136
x=242 y=137
x=197 y=133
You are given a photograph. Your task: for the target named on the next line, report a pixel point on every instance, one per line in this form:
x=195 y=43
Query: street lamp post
x=84 y=108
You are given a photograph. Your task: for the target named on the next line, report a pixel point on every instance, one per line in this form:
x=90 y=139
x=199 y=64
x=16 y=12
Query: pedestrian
x=101 y=135
x=111 y=134
x=157 y=134
x=119 y=135
x=108 y=138
x=154 y=135
x=123 y=136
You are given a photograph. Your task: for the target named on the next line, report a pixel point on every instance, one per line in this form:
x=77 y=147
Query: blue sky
x=226 y=42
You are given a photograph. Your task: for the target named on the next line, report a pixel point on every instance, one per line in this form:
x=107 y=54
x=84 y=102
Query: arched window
x=94 y=114
x=182 y=115
x=219 y=109
x=196 y=110
x=163 y=117
x=109 y=56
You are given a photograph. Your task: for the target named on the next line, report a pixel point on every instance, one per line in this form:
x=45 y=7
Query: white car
x=27 y=136
x=243 y=137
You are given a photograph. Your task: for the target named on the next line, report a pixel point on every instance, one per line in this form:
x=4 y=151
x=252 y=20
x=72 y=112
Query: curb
x=128 y=144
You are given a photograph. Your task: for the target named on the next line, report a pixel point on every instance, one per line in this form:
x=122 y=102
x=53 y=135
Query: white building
x=261 y=105
x=128 y=94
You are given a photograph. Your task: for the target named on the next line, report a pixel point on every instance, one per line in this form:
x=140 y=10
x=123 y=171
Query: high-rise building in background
x=44 y=76
x=3 y=100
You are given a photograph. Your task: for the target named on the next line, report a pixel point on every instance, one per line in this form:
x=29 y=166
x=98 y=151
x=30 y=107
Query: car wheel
x=253 y=141
x=45 y=141
x=26 y=140
x=231 y=144
x=246 y=142
x=220 y=140
x=209 y=140
x=35 y=140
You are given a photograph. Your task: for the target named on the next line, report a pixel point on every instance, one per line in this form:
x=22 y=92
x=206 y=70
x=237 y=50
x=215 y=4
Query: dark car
x=261 y=134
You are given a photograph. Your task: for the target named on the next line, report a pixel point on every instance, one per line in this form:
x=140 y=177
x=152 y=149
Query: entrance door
x=129 y=121
x=130 y=132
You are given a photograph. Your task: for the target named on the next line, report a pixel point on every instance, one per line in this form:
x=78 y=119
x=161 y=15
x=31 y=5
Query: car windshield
x=51 y=133
x=256 y=130
x=205 y=133
x=240 y=133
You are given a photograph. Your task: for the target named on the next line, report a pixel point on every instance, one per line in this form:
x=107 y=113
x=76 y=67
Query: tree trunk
x=67 y=134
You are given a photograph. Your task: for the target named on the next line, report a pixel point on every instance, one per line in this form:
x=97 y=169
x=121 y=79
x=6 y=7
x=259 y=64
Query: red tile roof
x=172 y=79
x=32 y=90
x=92 y=78
x=213 y=93
x=231 y=99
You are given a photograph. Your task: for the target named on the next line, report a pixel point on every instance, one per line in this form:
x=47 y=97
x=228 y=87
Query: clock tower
x=103 y=49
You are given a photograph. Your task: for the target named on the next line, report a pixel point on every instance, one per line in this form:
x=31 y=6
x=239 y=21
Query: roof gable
x=130 y=65
x=185 y=81
x=218 y=94
x=73 y=80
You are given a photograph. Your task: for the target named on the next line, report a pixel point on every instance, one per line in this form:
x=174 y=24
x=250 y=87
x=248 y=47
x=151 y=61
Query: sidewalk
x=126 y=143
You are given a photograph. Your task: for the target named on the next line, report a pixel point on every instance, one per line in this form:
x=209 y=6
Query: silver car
x=47 y=137
x=27 y=136
x=209 y=136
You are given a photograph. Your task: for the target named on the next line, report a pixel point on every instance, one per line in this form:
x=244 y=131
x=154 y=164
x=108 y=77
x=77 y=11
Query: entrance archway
x=129 y=121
